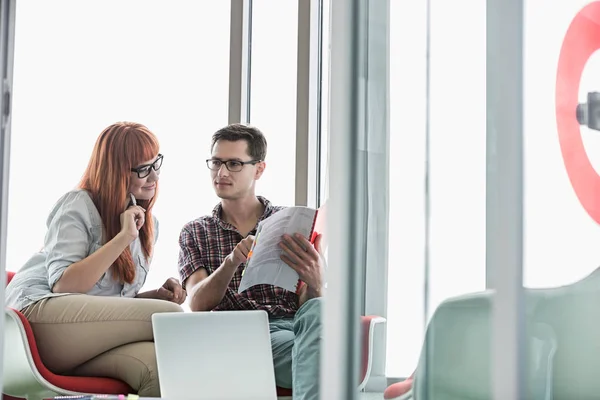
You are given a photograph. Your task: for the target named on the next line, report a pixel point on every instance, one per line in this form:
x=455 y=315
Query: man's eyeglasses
x=231 y=165
x=145 y=170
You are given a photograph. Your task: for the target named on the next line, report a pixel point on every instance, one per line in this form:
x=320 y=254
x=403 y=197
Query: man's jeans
x=296 y=344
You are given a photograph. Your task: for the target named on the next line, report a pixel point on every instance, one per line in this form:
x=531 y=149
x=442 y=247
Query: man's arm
x=207 y=291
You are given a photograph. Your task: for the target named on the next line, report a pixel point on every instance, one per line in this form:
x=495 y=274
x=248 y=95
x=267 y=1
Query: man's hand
x=242 y=249
x=171 y=290
x=306 y=260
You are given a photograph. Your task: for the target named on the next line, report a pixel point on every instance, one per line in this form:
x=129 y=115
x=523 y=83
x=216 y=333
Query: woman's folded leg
x=134 y=364
x=71 y=330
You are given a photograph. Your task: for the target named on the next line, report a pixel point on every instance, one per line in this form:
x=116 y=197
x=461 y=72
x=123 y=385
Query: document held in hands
x=264 y=264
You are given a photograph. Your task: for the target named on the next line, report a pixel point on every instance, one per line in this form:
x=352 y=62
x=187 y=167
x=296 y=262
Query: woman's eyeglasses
x=145 y=170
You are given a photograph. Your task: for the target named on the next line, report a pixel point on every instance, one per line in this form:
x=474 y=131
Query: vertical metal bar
x=307 y=104
x=339 y=355
x=240 y=53
x=427 y=232
x=7 y=37
x=375 y=189
x=504 y=197
x=323 y=98
x=322 y=118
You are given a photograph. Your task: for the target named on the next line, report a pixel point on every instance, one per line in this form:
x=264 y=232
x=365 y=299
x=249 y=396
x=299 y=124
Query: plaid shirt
x=206 y=241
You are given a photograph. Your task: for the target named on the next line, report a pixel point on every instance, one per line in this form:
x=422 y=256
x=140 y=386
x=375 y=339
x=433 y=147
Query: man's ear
x=260 y=168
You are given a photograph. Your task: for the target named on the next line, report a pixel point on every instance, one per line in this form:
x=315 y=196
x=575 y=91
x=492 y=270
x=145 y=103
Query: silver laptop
x=223 y=355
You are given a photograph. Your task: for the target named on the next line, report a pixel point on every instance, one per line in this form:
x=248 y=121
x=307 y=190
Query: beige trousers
x=99 y=336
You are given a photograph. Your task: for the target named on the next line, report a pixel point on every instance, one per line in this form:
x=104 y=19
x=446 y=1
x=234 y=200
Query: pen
x=84 y=397
x=99 y=397
x=132 y=197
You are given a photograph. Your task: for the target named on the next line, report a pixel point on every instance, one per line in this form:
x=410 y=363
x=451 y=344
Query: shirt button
x=122 y=293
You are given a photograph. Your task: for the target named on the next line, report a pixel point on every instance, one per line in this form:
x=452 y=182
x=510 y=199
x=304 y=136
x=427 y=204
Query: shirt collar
x=217 y=212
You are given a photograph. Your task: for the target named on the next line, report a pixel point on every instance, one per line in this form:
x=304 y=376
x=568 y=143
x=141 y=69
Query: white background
x=81 y=66
x=560 y=239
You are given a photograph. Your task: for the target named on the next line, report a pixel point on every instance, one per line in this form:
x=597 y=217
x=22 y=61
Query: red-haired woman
x=81 y=292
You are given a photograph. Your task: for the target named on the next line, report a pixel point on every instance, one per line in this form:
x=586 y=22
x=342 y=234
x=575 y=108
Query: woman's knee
x=171 y=307
x=145 y=353
x=160 y=306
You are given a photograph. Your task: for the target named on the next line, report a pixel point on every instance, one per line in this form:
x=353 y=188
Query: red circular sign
x=581 y=41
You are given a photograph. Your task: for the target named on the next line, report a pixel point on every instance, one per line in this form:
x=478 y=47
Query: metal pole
x=7 y=37
x=339 y=355
x=240 y=51
x=307 y=103
x=504 y=197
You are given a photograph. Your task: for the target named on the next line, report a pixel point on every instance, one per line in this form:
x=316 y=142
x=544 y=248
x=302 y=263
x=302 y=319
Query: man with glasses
x=214 y=248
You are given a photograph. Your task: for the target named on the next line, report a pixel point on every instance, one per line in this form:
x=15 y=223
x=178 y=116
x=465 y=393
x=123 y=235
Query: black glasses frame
x=227 y=164
x=140 y=170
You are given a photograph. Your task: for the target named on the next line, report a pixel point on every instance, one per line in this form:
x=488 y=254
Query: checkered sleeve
x=190 y=254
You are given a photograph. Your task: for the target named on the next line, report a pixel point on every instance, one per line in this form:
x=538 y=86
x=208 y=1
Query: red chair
x=368 y=324
x=25 y=376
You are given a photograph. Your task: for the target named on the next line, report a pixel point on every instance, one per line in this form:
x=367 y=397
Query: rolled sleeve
x=190 y=255
x=68 y=238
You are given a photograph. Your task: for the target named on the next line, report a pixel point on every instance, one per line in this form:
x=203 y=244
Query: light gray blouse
x=74 y=232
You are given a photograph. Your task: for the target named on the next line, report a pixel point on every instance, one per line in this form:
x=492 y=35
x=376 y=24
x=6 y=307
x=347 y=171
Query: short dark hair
x=257 y=144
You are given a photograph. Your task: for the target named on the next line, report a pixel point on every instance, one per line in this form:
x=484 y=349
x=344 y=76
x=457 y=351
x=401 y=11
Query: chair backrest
x=456 y=359
x=573 y=312
x=455 y=355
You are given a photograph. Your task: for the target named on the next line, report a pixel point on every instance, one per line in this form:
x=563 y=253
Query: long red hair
x=119 y=148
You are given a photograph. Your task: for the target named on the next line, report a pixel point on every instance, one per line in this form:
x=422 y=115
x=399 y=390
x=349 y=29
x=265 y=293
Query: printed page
x=265 y=265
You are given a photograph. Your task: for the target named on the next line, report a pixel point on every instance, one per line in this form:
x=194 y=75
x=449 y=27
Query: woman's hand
x=132 y=220
x=171 y=290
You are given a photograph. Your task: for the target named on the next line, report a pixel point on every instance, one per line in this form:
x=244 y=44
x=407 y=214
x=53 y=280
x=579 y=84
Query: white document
x=265 y=265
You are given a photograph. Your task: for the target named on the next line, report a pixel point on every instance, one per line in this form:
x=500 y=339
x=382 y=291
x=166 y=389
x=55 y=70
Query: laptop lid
x=214 y=355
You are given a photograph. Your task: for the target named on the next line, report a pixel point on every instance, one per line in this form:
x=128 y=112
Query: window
x=454 y=208
x=457 y=150
x=560 y=237
x=89 y=69
x=407 y=187
x=273 y=93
